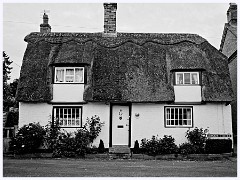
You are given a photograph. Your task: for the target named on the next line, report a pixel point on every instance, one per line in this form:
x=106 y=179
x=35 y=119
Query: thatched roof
x=133 y=67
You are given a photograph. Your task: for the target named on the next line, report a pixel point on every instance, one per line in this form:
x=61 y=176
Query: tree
x=13 y=87
x=6 y=67
x=8 y=99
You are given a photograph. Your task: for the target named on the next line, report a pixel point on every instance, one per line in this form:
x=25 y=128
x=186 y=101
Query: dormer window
x=69 y=75
x=187 y=78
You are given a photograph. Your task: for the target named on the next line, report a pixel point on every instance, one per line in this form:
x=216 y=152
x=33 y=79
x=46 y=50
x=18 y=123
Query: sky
x=20 y=19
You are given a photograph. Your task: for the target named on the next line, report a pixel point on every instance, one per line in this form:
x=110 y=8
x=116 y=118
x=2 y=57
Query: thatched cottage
x=139 y=84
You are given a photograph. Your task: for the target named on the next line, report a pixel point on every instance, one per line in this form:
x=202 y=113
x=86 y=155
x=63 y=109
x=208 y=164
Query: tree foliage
x=6 y=67
x=9 y=90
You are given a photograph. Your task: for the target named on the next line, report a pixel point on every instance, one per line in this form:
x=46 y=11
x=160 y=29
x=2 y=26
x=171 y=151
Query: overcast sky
x=206 y=20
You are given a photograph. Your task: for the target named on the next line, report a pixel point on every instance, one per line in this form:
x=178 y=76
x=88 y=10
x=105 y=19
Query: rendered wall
x=215 y=117
x=75 y=92
x=34 y=112
x=187 y=93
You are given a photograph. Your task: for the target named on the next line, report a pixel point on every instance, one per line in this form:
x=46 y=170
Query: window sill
x=187 y=84
x=178 y=126
x=69 y=83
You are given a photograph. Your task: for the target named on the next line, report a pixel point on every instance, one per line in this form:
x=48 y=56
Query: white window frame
x=62 y=116
x=183 y=74
x=171 y=122
x=64 y=76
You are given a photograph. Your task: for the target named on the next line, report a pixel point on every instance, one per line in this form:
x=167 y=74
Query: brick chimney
x=232 y=14
x=110 y=19
x=45 y=27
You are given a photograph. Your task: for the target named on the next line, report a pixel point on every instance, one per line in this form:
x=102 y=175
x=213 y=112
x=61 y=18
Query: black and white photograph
x=119 y=89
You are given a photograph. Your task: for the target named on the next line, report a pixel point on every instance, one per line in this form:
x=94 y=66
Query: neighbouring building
x=229 y=48
x=139 y=84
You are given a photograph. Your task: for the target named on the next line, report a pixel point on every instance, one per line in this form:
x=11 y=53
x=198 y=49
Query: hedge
x=218 y=146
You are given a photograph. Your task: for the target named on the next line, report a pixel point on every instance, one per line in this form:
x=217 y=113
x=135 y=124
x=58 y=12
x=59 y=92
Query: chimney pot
x=45 y=27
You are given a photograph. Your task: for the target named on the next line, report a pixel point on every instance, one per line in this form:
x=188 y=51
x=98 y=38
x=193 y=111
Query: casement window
x=68 y=116
x=178 y=116
x=187 y=78
x=69 y=75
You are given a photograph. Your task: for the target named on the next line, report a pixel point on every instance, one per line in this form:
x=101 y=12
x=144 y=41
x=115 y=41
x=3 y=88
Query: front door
x=120 y=124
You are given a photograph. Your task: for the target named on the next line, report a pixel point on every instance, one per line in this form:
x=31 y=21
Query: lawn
x=117 y=168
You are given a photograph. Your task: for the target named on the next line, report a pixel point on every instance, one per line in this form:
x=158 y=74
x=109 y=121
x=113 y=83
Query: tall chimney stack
x=232 y=14
x=110 y=19
x=45 y=27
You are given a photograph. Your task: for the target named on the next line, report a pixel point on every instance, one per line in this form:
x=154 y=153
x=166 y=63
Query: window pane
x=59 y=75
x=195 y=78
x=186 y=78
x=168 y=113
x=184 y=113
x=172 y=113
x=176 y=113
x=180 y=122
x=179 y=78
x=180 y=113
x=69 y=78
x=79 y=75
x=69 y=72
x=69 y=113
x=188 y=113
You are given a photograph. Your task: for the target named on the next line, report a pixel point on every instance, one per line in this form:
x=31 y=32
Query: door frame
x=110 y=123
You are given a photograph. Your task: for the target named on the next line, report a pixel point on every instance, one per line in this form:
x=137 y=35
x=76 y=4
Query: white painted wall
x=34 y=112
x=215 y=117
x=187 y=93
x=68 y=92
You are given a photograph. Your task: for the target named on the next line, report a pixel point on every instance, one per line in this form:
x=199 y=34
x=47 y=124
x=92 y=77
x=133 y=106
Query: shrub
x=93 y=126
x=136 y=149
x=82 y=141
x=101 y=148
x=92 y=150
x=218 y=146
x=197 y=137
x=157 y=146
x=168 y=146
x=52 y=134
x=187 y=148
x=77 y=143
x=65 y=145
x=152 y=146
x=28 y=139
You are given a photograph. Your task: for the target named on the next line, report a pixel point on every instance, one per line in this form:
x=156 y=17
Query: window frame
x=170 y=119
x=74 y=76
x=67 y=107
x=190 y=72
